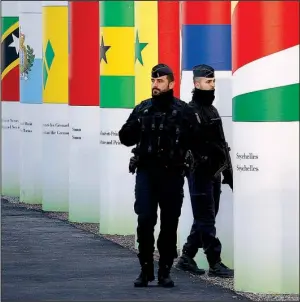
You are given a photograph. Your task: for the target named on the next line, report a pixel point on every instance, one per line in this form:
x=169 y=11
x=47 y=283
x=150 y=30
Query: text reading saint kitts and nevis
x=9 y=123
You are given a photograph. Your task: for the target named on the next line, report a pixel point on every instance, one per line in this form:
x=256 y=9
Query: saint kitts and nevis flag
x=134 y=37
x=10 y=59
x=265 y=61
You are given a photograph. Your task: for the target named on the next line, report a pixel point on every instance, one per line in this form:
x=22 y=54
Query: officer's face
x=205 y=83
x=160 y=85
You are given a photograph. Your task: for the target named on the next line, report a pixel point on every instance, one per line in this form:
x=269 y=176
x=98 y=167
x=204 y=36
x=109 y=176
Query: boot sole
x=220 y=276
x=168 y=285
x=143 y=284
x=186 y=269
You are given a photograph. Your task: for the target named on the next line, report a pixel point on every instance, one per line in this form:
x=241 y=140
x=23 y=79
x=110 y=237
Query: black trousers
x=205 y=198
x=217 y=193
x=164 y=188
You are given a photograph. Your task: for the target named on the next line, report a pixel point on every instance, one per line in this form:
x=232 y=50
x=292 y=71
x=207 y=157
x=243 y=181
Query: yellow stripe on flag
x=146 y=29
x=233 y=5
x=55 y=54
x=9 y=31
x=120 y=55
x=9 y=68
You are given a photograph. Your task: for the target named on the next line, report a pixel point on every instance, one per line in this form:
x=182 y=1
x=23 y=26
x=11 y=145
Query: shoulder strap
x=144 y=106
x=195 y=108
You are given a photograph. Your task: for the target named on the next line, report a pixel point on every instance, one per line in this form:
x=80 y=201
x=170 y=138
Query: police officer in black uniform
x=161 y=128
x=205 y=181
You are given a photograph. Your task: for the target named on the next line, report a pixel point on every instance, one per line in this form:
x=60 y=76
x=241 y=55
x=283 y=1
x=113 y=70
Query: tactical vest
x=212 y=138
x=210 y=123
x=161 y=134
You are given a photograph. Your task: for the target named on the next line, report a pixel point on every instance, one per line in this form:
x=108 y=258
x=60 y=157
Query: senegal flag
x=157 y=40
x=10 y=59
x=117 y=54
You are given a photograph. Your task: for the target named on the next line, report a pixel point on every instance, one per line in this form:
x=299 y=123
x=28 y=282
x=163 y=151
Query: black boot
x=220 y=270
x=188 y=264
x=164 y=278
x=146 y=275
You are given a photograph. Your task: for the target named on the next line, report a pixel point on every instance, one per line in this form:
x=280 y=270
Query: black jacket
x=210 y=153
x=162 y=128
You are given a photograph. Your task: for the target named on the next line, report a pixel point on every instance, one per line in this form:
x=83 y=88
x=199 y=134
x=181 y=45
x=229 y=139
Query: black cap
x=160 y=70
x=204 y=71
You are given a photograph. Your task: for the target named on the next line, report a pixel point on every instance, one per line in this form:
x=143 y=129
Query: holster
x=189 y=163
x=133 y=162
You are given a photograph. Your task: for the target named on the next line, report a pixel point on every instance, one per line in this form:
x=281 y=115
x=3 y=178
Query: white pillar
x=206 y=39
x=266 y=146
x=84 y=194
x=31 y=81
x=10 y=97
x=55 y=165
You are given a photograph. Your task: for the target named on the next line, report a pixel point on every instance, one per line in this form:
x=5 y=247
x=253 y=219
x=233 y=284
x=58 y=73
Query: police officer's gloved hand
x=227 y=179
x=132 y=164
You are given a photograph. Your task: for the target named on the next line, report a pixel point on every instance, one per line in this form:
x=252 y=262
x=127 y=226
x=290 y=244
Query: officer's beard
x=163 y=98
x=203 y=97
x=161 y=94
x=156 y=91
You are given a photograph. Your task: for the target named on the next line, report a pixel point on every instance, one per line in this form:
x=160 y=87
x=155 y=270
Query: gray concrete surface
x=45 y=259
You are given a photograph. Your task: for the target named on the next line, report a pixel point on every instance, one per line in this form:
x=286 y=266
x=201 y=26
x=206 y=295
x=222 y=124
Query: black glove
x=189 y=163
x=133 y=164
x=227 y=178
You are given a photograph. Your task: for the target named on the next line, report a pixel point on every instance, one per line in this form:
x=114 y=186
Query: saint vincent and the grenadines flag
x=55 y=54
x=10 y=59
x=134 y=37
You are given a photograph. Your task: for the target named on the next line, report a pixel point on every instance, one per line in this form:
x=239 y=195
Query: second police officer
x=204 y=182
x=161 y=128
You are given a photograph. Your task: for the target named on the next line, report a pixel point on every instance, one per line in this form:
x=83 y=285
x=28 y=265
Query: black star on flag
x=103 y=50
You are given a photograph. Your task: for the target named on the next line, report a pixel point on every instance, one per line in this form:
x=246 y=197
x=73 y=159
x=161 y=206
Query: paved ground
x=47 y=259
